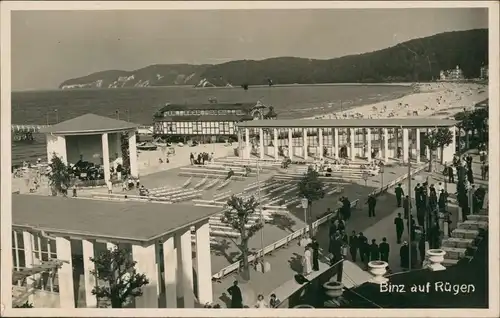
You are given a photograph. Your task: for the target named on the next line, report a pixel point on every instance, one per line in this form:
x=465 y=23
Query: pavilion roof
x=89 y=123
x=350 y=123
x=107 y=220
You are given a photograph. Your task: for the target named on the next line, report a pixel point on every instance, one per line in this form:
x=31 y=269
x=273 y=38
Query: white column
x=61 y=147
x=386 y=145
x=417 y=141
x=276 y=156
x=65 y=273
x=203 y=264
x=449 y=150
x=89 y=279
x=132 y=150
x=261 y=143
x=396 y=142
x=405 y=145
x=248 y=151
x=290 y=143
x=336 y=141
x=170 y=271
x=352 y=145
x=28 y=256
x=369 y=144
x=427 y=149
x=186 y=269
x=105 y=156
x=146 y=264
x=320 y=136
x=304 y=136
x=118 y=149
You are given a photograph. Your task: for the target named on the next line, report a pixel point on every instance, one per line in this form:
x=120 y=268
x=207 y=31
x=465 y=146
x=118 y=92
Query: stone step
x=457 y=242
x=462 y=233
x=472 y=225
x=477 y=217
x=454 y=252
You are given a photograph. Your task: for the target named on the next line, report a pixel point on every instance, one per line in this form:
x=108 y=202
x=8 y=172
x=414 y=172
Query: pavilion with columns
x=92 y=138
x=159 y=237
x=318 y=138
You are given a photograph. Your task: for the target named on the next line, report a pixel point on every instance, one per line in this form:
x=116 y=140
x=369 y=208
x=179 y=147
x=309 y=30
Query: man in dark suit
x=406 y=206
x=372 y=202
x=362 y=244
x=400 y=227
x=353 y=245
x=384 y=250
x=399 y=194
x=374 y=251
x=236 y=296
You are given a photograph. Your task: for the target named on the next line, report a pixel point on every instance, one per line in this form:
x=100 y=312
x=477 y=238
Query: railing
x=286 y=240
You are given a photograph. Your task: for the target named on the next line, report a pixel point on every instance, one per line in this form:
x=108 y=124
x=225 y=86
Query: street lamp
x=381 y=170
x=261 y=216
x=305 y=204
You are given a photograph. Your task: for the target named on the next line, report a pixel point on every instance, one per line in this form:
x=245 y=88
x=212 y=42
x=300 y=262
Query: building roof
x=196 y=118
x=350 y=123
x=121 y=221
x=89 y=124
x=170 y=107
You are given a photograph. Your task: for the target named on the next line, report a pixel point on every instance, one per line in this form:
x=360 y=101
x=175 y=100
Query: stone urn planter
x=333 y=289
x=436 y=257
x=378 y=270
x=304 y=306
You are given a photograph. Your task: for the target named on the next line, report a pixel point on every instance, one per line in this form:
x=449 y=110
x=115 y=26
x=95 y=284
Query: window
x=222 y=112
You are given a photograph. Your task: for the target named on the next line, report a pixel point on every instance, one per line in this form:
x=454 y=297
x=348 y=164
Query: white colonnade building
x=307 y=139
x=158 y=237
x=92 y=138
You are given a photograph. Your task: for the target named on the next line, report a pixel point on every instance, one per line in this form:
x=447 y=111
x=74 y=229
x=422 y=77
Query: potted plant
x=333 y=289
x=304 y=306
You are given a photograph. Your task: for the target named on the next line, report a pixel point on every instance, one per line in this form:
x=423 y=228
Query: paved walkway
x=286 y=262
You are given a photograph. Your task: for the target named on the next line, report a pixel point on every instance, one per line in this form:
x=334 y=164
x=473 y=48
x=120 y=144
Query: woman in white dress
x=307 y=261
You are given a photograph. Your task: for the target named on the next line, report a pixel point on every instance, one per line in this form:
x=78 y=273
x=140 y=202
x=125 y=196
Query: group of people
x=200 y=158
x=237 y=299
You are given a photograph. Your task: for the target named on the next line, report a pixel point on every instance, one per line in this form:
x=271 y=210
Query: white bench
x=201 y=183
x=224 y=184
x=222 y=196
x=187 y=183
x=212 y=184
x=208 y=175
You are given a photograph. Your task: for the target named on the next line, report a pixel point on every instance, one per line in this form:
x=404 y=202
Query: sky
x=49 y=47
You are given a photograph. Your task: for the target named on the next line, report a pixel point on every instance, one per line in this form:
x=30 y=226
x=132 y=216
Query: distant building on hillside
x=451 y=75
x=484 y=72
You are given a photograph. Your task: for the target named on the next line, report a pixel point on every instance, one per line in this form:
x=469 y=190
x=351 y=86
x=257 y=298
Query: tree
x=311 y=188
x=475 y=121
x=237 y=216
x=125 y=151
x=121 y=281
x=59 y=175
x=437 y=138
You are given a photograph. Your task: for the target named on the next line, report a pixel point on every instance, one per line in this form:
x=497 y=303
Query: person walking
x=236 y=296
x=315 y=254
x=384 y=250
x=404 y=253
x=374 y=251
x=398 y=221
x=307 y=261
x=406 y=207
x=399 y=194
x=362 y=243
x=372 y=202
x=353 y=245
x=451 y=175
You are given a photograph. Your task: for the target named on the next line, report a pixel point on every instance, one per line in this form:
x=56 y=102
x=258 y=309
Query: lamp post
x=381 y=176
x=305 y=204
x=261 y=216
x=409 y=225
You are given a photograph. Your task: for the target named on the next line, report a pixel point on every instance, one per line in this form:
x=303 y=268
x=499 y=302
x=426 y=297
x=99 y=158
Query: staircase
x=464 y=239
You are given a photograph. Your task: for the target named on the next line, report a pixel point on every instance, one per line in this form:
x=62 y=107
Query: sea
x=139 y=104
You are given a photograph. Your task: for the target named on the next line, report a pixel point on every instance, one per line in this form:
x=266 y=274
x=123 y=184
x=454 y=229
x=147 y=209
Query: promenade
x=286 y=262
